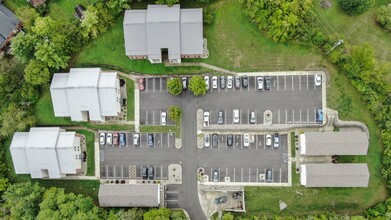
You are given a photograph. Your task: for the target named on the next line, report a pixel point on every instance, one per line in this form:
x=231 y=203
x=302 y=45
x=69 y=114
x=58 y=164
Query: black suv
x=269 y=177
x=151 y=142
x=245 y=81
x=215 y=140
x=230 y=140
x=268 y=83
x=151 y=172
x=144 y=172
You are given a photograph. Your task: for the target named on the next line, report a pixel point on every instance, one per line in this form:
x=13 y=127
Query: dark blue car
x=122 y=140
x=319 y=116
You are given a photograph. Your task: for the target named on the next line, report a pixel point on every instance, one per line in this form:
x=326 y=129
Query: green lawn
x=14 y=4
x=90 y=151
x=163 y=129
x=357 y=29
x=130 y=99
x=61 y=9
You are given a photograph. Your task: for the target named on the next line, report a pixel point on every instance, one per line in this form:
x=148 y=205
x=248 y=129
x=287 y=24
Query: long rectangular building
x=333 y=143
x=334 y=175
x=129 y=195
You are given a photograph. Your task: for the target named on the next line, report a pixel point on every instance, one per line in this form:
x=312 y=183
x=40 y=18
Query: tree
x=37 y=73
x=21 y=200
x=197 y=85
x=228 y=216
x=208 y=15
x=177 y=215
x=10 y=76
x=90 y=24
x=355 y=7
x=45 y=27
x=27 y=15
x=383 y=16
x=160 y=214
x=23 y=47
x=174 y=113
x=56 y=204
x=15 y=118
x=167 y=2
x=174 y=86
x=117 y=6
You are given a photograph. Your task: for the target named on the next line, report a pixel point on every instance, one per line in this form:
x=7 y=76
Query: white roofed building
x=86 y=93
x=161 y=29
x=46 y=152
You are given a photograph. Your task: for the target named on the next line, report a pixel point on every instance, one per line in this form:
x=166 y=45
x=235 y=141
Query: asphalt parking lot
x=126 y=162
x=292 y=99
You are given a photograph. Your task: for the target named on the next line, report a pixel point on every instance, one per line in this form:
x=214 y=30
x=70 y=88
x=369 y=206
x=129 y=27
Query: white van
x=236 y=116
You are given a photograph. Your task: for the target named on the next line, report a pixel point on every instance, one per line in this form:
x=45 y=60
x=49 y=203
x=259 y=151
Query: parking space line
x=308 y=116
x=307 y=82
x=242 y=175
x=278 y=86
x=293 y=116
x=299 y=82
x=107 y=172
x=278 y=116
x=219 y=175
x=241 y=88
x=210 y=176
x=249 y=174
x=292 y=83
x=272 y=174
x=285 y=82
x=146 y=85
x=248 y=115
x=314 y=115
x=161 y=139
x=257 y=175
x=114 y=172
x=280 y=175
x=146 y=117
x=234 y=175
x=255 y=83
x=226 y=172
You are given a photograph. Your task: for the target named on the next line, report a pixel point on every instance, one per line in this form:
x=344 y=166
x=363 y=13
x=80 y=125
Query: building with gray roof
x=334 y=143
x=46 y=152
x=334 y=175
x=86 y=93
x=161 y=29
x=129 y=195
x=9 y=27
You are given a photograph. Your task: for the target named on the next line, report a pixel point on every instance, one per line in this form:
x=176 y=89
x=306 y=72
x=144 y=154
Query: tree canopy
x=355 y=7
x=174 y=86
x=174 y=113
x=383 y=16
x=197 y=85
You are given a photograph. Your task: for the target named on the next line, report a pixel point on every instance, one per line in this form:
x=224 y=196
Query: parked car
x=319 y=116
x=184 y=83
x=109 y=139
x=207 y=140
x=102 y=139
x=268 y=82
x=215 y=140
x=230 y=140
x=115 y=139
x=276 y=141
x=163 y=118
x=141 y=84
x=206 y=78
x=246 y=140
x=318 y=79
x=236 y=116
x=221 y=200
x=229 y=82
x=269 y=176
x=245 y=81
x=222 y=82
x=214 y=82
x=268 y=140
x=252 y=117
x=206 y=119
x=220 y=117
x=136 y=139
x=237 y=82
x=216 y=176
x=259 y=83
x=122 y=139
x=151 y=172
x=144 y=172
x=151 y=141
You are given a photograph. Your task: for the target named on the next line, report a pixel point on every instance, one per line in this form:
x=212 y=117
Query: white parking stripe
x=168 y=139
x=264 y=141
x=153 y=84
x=161 y=84
x=146 y=117
x=293 y=116
x=122 y=172
x=272 y=174
x=255 y=83
x=153 y=117
x=285 y=82
x=314 y=115
x=256 y=115
x=280 y=175
x=219 y=175
x=248 y=115
x=242 y=175
x=308 y=115
x=161 y=172
x=107 y=172
x=249 y=174
x=226 y=171
x=307 y=82
x=210 y=176
x=300 y=116
x=114 y=172
x=146 y=85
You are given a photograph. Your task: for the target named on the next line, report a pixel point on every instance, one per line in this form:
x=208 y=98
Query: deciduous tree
x=197 y=85
x=161 y=214
x=167 y=2
x=355 y=7
x=37 y=73
x=174 y=86
x=23 y=46
x=27 y=15
x=383 y=16
x=174 y=113
x=15 y=118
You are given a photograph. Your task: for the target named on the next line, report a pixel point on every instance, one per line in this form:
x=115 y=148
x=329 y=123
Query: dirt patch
x=325 y=4
x=239 y=56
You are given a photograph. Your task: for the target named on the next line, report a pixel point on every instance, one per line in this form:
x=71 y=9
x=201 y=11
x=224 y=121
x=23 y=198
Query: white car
x=164 y=118
x=259 y=83
x=206 y=78
x=206 y=119
x=207 y=140
x=109 y=139
x=102 y=138
x=229 y=82
x=214 y=82
x=318 y=79
x=236 y=116
x=136 y=139
x=268 y=140
x=246 y=140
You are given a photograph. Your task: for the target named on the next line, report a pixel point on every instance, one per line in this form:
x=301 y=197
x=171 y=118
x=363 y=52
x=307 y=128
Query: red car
x=115 y=139
x=142 y=84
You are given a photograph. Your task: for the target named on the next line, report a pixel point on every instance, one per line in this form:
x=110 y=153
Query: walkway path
x=215 y=68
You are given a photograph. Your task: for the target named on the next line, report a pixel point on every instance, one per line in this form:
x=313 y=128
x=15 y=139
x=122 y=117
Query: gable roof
x=8 y=21
x=129 y=195
x=334 y=175
x=334 y=143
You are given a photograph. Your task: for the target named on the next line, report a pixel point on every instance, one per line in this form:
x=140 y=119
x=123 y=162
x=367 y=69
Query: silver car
x=207 y=140
x=229 y=82
x=206 y=78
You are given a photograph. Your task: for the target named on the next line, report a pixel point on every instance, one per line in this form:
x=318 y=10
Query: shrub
x=355 y=7
x=383 y=16
x=197 y=85
x=208 y=15
x=174 y=113
x=174 y=86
